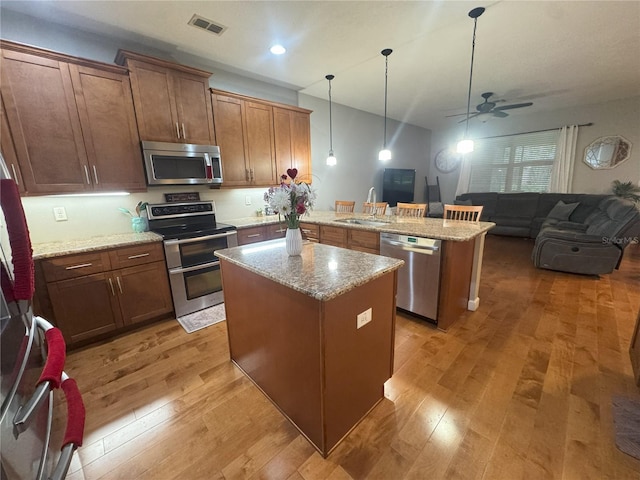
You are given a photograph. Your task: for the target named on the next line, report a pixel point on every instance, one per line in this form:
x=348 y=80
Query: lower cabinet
x=350 y=238
x=96 y=293
x=261 y=233
x=310 y=232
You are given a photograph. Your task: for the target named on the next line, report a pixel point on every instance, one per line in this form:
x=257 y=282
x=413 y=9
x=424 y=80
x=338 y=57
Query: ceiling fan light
x=465 y=146
x=384 y=155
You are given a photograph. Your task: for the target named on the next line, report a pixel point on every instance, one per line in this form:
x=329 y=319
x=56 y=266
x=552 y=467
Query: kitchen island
x=314 y=332
x=462 y=250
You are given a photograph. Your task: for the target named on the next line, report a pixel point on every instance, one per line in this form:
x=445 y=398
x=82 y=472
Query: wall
x=357 y=139
x=620 y=117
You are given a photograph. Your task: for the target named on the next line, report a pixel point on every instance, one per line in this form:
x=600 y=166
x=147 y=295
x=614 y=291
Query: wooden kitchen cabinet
x=96 y=293
x=252 y=235
x=8 y=149
x=310 y=232
x=71 y=120
x=363 y=241
x=244 y=132
x=172 y=101
x=293 y=141
x=336 y=236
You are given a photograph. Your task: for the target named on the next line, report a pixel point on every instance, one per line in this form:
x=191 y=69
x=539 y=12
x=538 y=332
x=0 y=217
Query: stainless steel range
x=191 y=237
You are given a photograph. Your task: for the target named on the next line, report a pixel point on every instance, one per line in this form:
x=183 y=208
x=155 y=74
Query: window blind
x=514 y=163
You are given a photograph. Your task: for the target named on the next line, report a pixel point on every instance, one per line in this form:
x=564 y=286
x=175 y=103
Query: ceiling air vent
x=208 y=25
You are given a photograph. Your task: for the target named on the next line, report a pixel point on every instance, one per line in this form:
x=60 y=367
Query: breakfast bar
x=315 y=332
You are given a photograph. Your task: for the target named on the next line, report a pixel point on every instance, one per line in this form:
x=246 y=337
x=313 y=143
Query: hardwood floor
x=521 y=388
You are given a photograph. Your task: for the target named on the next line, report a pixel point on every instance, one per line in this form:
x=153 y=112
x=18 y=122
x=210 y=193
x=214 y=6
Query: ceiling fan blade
x=473 y=115
x=455 y=115
x=499 y=114
x=485 y=107
x=515 y=105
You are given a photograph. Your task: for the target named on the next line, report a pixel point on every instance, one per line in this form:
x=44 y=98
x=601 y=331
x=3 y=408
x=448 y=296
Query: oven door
x=190 y=252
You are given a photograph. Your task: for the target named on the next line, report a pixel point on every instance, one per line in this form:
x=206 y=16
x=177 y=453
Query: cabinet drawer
x=252 y=235
x=136 y=255
x=310 y=231
x=278 y=230
x=72 y=266
x=333 y=236
x=364 y=241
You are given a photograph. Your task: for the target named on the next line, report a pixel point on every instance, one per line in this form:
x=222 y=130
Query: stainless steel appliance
x=182 y=164
x=32 y=356
x=419 y=277
x=191 y=237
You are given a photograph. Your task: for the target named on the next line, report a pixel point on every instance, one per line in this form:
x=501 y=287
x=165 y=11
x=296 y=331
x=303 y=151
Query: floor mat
x=203 y=318
x=626 y=419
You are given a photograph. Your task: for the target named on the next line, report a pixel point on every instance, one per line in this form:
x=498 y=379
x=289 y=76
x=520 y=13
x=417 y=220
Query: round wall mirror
x=607 y=152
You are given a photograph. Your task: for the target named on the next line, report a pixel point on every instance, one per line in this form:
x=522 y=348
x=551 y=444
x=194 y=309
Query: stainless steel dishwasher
x=419 y=277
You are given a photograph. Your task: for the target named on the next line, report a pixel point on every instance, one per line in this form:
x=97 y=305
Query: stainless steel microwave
x=182 y=164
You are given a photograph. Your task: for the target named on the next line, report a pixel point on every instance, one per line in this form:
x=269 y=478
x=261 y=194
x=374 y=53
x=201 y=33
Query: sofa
x=577 y=233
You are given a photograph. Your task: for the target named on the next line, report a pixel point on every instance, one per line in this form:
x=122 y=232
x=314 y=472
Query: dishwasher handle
x=411 y=246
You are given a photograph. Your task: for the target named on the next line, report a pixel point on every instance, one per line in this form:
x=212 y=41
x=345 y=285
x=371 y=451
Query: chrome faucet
x=371 y=198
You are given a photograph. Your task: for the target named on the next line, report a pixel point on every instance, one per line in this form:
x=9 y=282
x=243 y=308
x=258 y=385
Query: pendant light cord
x=330 y=122
x=473 y=49
x=386 y=70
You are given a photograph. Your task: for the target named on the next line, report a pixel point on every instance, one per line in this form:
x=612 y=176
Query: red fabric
x=56 y=356
x=75 y=413
x=19 y=239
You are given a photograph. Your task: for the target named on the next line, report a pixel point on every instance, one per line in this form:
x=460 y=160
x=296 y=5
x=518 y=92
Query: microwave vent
x=208 y=25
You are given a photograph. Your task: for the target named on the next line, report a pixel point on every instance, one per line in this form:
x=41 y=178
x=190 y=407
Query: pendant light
x=466 y=145
x=385 y=153
x=331 y=159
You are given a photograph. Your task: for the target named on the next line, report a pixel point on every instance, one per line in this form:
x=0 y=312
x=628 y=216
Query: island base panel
x=308 y=356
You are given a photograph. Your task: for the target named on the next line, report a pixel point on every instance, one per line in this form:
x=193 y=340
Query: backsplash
x=90 y=216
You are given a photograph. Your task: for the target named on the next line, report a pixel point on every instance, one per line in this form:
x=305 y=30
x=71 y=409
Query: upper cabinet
x=71 y=122
x=8 y=149
x=244 y=132
x=260 y=140
x=172 y=102
x=293 y=140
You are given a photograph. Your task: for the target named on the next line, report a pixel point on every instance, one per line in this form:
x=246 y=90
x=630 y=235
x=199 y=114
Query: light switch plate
x=363 y=318
x=247 y=200
x=60 y=214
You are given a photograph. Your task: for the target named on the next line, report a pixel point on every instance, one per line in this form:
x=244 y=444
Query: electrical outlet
x=60 y=214
x=247 y=200
x=363 y=318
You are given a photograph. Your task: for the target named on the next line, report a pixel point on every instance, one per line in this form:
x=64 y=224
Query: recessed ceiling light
x=277 y=49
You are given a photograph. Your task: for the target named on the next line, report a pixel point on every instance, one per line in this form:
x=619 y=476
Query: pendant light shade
x=385 y=154
x=466 y=145
x=331 y=159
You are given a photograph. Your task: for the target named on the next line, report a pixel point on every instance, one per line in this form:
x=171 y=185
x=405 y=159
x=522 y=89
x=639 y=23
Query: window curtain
x=562 y=172
x=465 y=175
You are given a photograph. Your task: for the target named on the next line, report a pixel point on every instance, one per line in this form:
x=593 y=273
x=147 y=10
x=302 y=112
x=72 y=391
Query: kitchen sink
x=363 y=221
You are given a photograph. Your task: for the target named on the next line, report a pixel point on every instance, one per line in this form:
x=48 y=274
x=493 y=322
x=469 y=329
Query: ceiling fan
x=490 y=108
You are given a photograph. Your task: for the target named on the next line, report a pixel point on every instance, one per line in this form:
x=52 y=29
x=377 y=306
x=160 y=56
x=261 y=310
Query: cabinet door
x=252 y=235
x=259 y=143
x=335 y=236
x=8 y=149
x=43 y=118
x=277 y=230
x=154 y=101
x=227 y=116
x=85 y=307
x=301 y=144
x=193 y=101
x=143 y=292
x=282 y=136
x=109 y=128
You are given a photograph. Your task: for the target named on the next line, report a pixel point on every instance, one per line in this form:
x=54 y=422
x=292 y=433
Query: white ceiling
x=555 y=54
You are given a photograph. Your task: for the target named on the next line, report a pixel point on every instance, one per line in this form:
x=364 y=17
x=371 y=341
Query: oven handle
x=176 y=271
x=200 y=239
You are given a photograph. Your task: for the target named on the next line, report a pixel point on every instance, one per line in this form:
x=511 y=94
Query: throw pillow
x=463 y=202
x=562 y=210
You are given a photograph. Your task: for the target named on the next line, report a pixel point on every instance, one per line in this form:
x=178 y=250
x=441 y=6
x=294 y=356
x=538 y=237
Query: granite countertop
x=57 y=249
x=321 y=271
x=419 y=227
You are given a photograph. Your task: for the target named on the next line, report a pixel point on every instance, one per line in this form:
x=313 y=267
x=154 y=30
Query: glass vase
x=294 y=241
x=139 y=224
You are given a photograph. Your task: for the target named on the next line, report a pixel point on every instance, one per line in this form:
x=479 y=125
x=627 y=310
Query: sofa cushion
x=588 y=203
x=520 y=205
x=611 y=215
x=562 y=211
x=488 y=200
x=547 y=201
x=468 y=202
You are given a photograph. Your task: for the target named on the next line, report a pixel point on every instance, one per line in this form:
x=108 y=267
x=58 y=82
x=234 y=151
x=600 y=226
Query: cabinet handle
x=254 y=235
x=86 y=174
x=95 y=174
x=82 y=265
x=282 y=230
x=138 y=256
x=177 y=130
x=119 y=284
x=184 y=134
x=15 y=175
x=113 y=292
